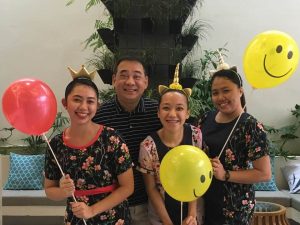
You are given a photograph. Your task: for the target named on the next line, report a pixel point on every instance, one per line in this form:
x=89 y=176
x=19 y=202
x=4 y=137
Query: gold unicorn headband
x=221 y=66
x=83 y=72
x=224 y=66
x=175 y=85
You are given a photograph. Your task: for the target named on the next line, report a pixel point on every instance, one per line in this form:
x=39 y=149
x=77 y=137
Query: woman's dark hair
x=130 y=58
x=81 y=80
x=232 y=75
x=173 y=90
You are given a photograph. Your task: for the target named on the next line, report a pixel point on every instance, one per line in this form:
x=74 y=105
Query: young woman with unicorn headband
x=173 y=111
x=237 y=145
x=88 y=164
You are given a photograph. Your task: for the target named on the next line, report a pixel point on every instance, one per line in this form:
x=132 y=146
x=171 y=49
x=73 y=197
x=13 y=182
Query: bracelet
x=227 y=175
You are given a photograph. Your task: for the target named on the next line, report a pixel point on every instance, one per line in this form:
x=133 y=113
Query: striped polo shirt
x=133 y=127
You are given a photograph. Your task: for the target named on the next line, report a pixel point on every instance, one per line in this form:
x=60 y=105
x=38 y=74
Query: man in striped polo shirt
x=134 y=117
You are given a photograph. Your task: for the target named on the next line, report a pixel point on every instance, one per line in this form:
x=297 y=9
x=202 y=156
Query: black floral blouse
x=227 y=202
x=93 y=166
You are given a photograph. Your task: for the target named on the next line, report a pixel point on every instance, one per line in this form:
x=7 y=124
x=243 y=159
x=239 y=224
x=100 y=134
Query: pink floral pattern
x=247 y=143
x=95 y=166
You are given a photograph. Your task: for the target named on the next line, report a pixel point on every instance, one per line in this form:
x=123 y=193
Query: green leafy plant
x=94 y=41
x=280 y=137
x=200 y=101
x=36 y=144
x=102 y=59
x=8 y=132
x=197 y=27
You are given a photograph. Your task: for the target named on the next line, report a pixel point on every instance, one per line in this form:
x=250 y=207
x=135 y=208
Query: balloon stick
x=181 y=210
x=60 y=169
x=231 y=131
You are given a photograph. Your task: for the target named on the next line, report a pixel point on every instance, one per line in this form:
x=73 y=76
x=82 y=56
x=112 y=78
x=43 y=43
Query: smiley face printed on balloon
x=270 y=59
x=199 y=190
x=185 y=173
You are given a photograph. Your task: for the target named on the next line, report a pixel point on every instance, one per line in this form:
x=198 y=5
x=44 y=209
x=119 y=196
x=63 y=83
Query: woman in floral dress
x=245 y=159
x=94 y=159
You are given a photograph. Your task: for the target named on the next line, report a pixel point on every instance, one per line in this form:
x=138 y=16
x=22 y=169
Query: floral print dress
x=94 y=166
x=227 y=202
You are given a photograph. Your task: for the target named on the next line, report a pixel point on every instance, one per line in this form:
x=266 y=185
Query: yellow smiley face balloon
x=185 y=173
x=270 y=59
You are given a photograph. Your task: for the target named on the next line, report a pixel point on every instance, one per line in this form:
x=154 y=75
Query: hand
x=190 y=220
x=120 y=222
x=81 y=210
x=218 y=169
x=67 y=185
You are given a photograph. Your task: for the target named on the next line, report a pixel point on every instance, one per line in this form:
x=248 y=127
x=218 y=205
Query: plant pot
x=119 y=24
x=187 y=82
x=147 y=25
x=175 y=26
x=109 y=38
x=189 y=41
x=105 y=75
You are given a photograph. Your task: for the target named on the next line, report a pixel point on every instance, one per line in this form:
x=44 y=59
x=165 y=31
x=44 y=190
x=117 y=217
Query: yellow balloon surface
x=270 y=59
x=185 y=173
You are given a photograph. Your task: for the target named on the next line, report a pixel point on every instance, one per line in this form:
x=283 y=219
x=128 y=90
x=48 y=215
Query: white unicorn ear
x=222 y=65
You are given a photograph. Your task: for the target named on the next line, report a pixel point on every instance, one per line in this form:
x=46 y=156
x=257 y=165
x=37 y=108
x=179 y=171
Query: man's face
x=129 y=82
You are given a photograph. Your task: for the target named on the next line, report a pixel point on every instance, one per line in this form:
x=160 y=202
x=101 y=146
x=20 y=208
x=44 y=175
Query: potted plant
x=200 y=100
x=33 y=144
x=8 y=132
x=103 y=61
x=281 y=137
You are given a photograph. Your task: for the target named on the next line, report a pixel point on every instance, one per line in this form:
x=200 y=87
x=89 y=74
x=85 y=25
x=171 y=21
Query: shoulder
x=108 y=104
x=252 y=123
x=195 y=129
x=148 y=139
x=149 y=103
x=57 y=138
x=207 y=116
x=147 y=144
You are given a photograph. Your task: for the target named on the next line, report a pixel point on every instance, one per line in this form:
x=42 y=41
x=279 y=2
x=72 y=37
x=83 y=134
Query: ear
x=113 y=80
x=98 y=105
x=146 y=81
x=64 y=103
x=241 y=91
x=188 y=114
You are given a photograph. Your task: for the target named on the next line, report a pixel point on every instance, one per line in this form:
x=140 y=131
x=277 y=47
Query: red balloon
x=30 y=106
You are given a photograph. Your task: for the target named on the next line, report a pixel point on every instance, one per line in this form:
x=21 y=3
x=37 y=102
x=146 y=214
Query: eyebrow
x=136 y=71
x=79 y=96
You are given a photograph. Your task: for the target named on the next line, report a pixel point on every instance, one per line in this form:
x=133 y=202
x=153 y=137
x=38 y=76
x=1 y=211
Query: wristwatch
x=227 y=175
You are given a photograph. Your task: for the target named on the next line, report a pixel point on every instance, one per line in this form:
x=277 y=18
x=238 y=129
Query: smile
x=195 y=194
x=272 y=75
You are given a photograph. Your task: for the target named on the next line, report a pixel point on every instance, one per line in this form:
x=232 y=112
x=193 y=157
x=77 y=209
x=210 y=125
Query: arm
x=192 y=214
x=59 y=190
x=261 y=171
x=156 y=199
x=125 y=189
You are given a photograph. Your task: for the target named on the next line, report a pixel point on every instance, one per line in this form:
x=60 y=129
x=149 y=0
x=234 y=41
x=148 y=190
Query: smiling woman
x=270 y=59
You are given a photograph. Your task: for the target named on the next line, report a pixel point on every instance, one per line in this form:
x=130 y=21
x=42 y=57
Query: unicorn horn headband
x=83 y=72
x=221 y=66
x=175 y=85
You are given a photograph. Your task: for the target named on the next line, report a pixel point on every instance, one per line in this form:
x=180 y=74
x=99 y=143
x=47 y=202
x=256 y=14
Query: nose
x=130 y=80
x=83 y=105
x=220 y=96
x=172 y=113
